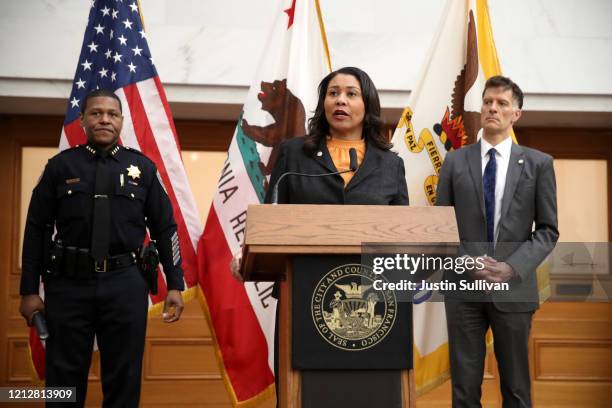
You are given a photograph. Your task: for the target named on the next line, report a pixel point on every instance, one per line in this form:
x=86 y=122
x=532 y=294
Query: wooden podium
x=276 y=232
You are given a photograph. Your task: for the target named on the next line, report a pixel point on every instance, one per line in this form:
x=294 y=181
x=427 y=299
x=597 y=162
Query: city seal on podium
x=346 y=310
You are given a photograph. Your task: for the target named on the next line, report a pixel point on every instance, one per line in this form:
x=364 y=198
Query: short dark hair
x=101 y=92
x=500 y=81
x=318 y=127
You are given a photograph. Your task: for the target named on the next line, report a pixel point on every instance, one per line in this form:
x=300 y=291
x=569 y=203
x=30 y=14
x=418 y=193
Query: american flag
x=115 y=55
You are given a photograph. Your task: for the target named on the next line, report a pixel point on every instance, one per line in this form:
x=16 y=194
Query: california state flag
x=443 y=114
x=282 y=97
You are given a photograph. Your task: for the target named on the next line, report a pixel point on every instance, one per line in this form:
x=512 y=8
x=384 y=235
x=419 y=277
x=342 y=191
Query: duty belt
x=76 y=263
x=114 y=262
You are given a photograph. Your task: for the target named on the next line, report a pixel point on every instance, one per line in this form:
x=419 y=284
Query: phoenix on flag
x=443 y=114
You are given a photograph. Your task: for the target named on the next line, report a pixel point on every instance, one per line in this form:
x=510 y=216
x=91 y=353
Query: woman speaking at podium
x=346 y=123
x=344 y=159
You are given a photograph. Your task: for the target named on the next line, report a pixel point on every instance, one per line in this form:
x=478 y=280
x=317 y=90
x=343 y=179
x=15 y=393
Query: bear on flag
x=280 y=100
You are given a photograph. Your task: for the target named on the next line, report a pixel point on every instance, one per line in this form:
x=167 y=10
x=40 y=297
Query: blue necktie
x=488 y=181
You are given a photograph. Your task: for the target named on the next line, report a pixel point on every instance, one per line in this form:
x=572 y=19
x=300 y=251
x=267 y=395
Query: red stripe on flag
x=148 y=146
x=38 y=353
x=162 y=95
x=239 y=336
x=75 y=133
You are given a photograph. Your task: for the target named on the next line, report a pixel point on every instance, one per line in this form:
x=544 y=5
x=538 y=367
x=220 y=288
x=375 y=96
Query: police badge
x=133 y=172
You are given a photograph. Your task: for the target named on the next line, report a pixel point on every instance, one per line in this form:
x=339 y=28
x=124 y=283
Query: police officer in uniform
x=99 y=198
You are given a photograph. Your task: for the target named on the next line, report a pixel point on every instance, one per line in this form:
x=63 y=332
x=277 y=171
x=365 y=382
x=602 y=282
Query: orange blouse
x=339 y=152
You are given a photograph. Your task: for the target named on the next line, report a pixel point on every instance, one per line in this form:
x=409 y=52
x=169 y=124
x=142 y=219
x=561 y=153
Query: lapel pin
x=521 y=161
x=319 y=153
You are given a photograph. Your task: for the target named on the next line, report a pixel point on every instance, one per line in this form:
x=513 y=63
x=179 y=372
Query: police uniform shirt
x=64 y=197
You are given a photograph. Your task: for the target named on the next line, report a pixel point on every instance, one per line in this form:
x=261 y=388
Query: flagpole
x=490 y=63
x=141 y=15
x=323 y=35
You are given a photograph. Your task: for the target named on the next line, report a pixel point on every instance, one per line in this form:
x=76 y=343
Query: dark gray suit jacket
x=529 y=197
x=380 y=179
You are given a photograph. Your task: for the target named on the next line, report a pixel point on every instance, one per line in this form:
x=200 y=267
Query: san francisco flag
x=282 y=97
x=443 y=114
x=115 y=55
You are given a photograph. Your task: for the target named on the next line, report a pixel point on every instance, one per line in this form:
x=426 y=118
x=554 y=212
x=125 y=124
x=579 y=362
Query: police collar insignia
x=133 y=172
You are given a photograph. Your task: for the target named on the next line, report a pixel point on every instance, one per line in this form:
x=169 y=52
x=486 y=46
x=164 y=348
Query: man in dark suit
x=499 y=190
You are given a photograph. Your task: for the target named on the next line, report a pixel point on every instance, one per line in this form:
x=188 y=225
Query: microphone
x=352 y=167
x=40 y=324
x=353 y=159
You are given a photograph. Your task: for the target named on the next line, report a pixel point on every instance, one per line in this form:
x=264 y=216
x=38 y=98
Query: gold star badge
x=133 y=172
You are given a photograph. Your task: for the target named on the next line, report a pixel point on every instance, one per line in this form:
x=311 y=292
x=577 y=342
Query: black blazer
x=379 y=180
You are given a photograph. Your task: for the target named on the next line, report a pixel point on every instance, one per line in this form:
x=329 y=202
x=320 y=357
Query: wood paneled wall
x=570 y=360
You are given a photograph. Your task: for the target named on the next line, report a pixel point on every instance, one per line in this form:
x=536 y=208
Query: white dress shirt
x=502 y=158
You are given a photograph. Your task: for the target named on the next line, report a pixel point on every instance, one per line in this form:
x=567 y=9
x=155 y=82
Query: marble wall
x=207 y=51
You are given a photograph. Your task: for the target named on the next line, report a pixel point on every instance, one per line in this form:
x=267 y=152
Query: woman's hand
x=235 y=265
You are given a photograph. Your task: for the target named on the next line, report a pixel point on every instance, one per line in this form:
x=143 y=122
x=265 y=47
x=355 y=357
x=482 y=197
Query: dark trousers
x=111 y=306
x=467 y=326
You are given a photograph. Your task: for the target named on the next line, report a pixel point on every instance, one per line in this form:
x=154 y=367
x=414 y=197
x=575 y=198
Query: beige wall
x=203 y=171
x=33 y=163
x=582 y=195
